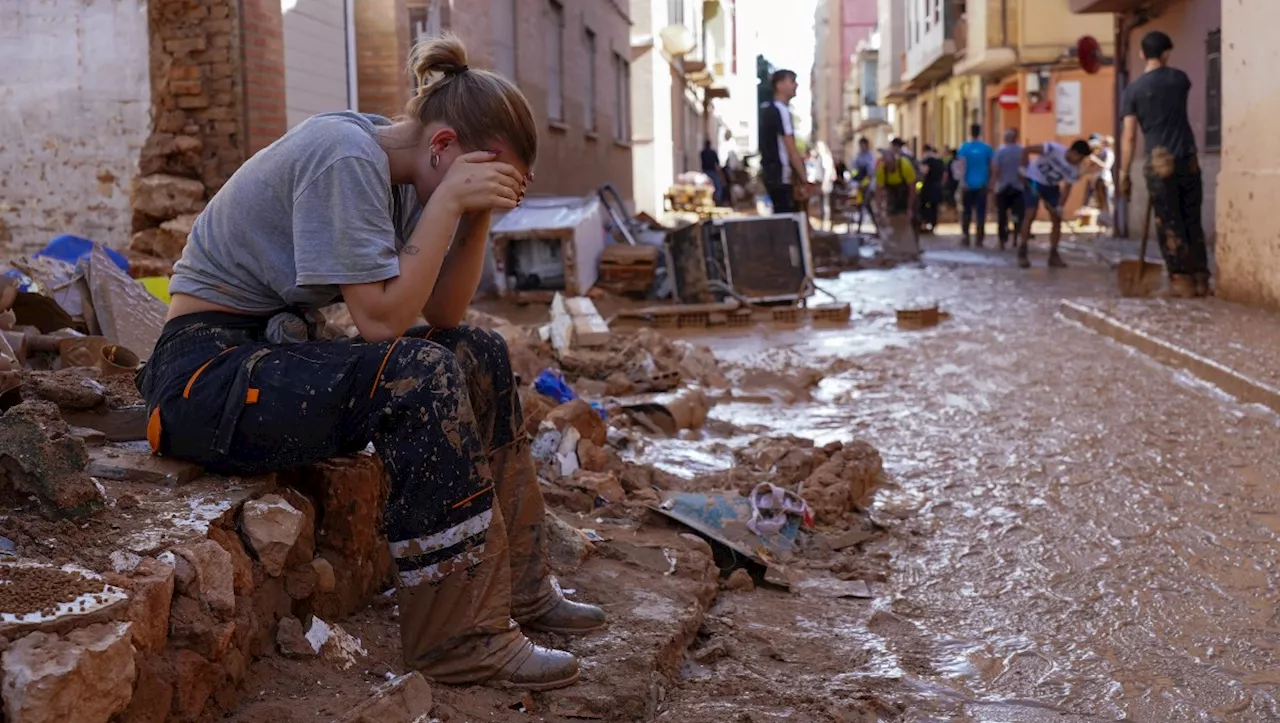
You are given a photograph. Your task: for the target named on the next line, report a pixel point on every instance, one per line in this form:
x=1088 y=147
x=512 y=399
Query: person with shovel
x=391 y=217
x=1049 y=179
x=1157 y=101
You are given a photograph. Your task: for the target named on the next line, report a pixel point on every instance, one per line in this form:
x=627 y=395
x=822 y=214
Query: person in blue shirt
x=976 y=158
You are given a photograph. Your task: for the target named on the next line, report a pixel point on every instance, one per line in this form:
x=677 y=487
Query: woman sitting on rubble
x=393 y=219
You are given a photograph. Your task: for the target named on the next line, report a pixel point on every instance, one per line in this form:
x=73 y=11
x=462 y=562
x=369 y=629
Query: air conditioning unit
x=761 y=259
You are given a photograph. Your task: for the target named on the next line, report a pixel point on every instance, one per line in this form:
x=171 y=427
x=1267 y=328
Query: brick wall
x=264 y=101
x=382 y=49
x=77 y=99
x=571 y=160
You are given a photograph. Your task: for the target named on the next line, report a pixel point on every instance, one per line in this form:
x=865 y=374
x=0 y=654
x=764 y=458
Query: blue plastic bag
x=71 y=249
x=551 y=384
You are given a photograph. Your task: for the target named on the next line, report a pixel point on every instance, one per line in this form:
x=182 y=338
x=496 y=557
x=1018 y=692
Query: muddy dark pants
x=783 y=197
x=1009 y=200
x=441 y=409
x=1177 y=194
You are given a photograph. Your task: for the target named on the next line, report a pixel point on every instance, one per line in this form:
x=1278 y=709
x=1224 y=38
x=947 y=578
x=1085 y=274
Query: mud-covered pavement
x=1075 y=532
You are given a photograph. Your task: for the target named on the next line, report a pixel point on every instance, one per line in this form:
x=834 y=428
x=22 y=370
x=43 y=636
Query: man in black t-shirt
x=1157 y=102
x=780 y=159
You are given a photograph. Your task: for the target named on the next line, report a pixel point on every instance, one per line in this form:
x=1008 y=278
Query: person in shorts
x=1050 y=176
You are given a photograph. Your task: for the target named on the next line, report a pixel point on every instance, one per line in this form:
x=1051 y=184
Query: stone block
x=39 y=457
x=567 y=547
x=241 y=565
x=191 y=102
x=153 y=692
x=162 y=196
x=406 y=699
x=86 y=676
x=212 y=581
x=350 y=493
x=150 y=596
x=325 y=580
x=186 y=87
x=197 y=679
x=185 y=45
x=304 y=549
x=272 y=526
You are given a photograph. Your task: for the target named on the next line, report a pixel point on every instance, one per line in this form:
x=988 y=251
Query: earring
x=435 y=160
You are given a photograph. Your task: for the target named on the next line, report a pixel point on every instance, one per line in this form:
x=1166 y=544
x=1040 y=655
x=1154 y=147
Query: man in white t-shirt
x=1050 y=176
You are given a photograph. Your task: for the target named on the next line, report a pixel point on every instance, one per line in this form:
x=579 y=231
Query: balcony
x=990 y=34
x=932 y=56
x=1105 y=6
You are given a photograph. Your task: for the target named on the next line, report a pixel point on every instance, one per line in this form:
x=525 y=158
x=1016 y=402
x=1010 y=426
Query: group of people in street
x=1019 y=180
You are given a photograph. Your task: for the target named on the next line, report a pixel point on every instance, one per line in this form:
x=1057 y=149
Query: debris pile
x=835 y=479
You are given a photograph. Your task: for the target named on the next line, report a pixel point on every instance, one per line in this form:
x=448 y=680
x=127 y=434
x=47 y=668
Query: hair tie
x=457 y=70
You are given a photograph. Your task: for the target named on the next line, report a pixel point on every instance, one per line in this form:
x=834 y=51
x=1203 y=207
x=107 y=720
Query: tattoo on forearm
x=409 y=250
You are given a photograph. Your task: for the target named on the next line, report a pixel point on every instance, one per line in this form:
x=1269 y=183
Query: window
x=1213 y=92
x=622 y=99
x=504 y=38
x=675 y=12
x=590 y=122
x=555 y=63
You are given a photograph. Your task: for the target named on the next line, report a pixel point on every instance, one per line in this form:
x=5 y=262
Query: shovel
x=1137 y=277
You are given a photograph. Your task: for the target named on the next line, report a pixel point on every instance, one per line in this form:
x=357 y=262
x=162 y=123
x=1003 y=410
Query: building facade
x=1246 y=193
x=840 y=26
x=189 y=90
x=1024 y=50
x=683 y=55
x=865 y=117
x=1195 y=27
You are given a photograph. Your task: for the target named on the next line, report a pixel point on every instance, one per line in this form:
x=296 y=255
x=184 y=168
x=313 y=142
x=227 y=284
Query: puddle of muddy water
x=1075 y=534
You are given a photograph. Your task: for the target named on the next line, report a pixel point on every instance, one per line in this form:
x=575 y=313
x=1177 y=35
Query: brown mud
x=1061 y=531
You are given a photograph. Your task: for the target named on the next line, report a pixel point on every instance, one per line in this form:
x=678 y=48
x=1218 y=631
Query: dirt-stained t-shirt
x=1158 y=99
x=312 y=211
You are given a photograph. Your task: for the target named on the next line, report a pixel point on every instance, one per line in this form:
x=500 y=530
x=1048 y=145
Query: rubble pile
x=835 y=479
x=202 y=600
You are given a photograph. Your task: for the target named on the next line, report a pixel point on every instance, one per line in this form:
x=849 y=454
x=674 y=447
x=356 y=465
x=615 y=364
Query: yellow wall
x=1048 y=27
x=1248 y=249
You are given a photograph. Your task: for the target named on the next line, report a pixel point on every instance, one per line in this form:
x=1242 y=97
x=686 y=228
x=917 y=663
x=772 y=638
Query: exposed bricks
x=217 y=69
x=382 y=49
x=263 y=27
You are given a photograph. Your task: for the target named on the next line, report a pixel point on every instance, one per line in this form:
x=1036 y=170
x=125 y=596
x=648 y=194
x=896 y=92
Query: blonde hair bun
x=440 y=55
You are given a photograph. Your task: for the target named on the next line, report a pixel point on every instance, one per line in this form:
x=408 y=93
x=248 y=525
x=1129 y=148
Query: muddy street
x=1075 y=532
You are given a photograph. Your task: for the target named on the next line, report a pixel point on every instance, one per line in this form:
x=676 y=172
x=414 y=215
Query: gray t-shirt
x=311 y=211
x=1008 y=167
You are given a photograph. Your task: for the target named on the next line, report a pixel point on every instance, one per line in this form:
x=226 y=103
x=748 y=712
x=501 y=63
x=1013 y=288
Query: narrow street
x=1076 y=532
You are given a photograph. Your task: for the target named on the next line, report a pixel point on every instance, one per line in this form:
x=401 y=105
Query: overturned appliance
x=758 y=259
x=549 y=244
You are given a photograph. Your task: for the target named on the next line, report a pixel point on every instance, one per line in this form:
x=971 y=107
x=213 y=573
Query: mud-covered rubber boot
x=568 y=618
x=1055 y=260
x=538 y=668
x=1181 y=286
x=1024 y=261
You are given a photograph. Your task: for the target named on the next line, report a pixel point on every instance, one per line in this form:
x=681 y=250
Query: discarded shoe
x=569 y=618
x=538 y=668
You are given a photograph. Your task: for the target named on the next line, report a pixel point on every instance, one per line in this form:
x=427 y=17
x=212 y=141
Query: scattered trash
x=551 y=383
x=773 y=507
x=724 y=518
